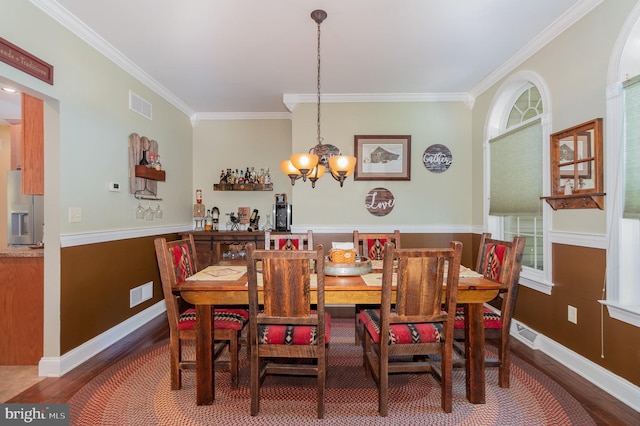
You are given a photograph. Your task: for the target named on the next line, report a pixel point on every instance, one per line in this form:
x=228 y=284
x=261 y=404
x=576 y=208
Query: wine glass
x=268 y=226
x=158 y=212
x=140 y=211
x=149 y=213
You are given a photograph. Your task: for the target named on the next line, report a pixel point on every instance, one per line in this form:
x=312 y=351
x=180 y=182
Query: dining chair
x=287 y=335
x=371 y=246
x=288 y=241
x=400 y=340
x=500 y=261
x=176 y=261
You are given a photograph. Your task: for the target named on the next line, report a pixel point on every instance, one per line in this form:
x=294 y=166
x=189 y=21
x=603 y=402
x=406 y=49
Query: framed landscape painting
x=382 y=157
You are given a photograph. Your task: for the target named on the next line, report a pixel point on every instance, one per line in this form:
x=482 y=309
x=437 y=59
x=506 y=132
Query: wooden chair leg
x=446 y=374
x=233 y=356
x=355 y=328
x=175 y=354
x=383 y=387
x=366 y=353
x=504 y=370
x=322 y=371
x=255 y=382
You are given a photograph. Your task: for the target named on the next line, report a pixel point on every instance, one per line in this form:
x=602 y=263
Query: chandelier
x=312 y=165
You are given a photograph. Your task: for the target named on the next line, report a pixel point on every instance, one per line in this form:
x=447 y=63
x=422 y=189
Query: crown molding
x=291 y=100
x=77 y=27
x=80 y=29
x=573 y=15
x=242 y=116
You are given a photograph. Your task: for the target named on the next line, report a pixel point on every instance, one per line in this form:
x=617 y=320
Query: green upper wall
x=90 y=102
x=574 y=69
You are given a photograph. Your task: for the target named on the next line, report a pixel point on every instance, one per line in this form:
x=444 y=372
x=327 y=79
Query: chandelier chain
x=319 y=138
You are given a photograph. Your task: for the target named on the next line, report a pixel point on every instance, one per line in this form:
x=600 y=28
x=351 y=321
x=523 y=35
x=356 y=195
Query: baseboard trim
x=614 y=385
x=58 y=366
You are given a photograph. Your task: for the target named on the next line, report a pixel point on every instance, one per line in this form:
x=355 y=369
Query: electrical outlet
x=572 y=314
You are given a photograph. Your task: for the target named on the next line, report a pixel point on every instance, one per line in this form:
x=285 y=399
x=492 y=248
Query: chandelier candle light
x=312 y=165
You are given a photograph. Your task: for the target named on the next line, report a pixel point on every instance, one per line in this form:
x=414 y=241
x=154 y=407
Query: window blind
x=516 y=172
x=632 y=148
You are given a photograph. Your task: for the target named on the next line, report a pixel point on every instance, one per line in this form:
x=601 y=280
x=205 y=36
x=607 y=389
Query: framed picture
x=382 y=157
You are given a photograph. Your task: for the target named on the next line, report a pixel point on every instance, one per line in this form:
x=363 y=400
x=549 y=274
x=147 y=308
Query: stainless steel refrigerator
x=25 y=216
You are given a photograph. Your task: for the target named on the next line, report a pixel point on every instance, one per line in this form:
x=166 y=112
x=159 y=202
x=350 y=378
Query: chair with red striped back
x=500 y=261
x=301 y=241
x=288 y=336
x=371 y=246
x=176 y=262
x=399 y=339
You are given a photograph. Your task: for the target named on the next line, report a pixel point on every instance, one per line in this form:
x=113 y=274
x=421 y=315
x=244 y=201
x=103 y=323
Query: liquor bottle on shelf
x=143 y=160
x=208 y=221
x=158 y=164
x=152 y=161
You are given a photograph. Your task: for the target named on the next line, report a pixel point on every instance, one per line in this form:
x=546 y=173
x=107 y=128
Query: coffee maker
x=282 y=213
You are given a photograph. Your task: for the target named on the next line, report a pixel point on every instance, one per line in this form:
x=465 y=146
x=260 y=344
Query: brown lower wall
x=96 y=280
x=95 y=284
x=578 y=278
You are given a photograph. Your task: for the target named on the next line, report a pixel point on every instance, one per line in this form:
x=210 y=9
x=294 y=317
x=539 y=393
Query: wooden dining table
x=226 y=284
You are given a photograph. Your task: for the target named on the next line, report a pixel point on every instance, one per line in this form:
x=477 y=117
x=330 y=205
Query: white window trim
x=505 y=96
x=622 y=275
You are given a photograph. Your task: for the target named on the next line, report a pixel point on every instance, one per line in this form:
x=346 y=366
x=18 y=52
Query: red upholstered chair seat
x=400 y=334
x=228 y=319
x=271 y=334
x=490 y=318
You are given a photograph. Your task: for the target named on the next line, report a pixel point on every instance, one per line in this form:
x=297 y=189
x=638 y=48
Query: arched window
x=526 y=107
x=516 y=173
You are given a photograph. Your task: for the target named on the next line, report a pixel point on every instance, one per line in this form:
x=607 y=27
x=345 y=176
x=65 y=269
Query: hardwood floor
x=604 y=409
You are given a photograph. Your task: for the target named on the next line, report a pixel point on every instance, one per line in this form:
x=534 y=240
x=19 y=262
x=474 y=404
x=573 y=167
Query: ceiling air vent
x=139 y=105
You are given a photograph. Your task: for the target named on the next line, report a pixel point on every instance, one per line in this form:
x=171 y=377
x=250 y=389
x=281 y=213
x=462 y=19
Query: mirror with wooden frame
x=576 y=167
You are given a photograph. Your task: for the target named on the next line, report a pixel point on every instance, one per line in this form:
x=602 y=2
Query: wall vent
x=140 y=105
x=527 y=333
x=140 y=294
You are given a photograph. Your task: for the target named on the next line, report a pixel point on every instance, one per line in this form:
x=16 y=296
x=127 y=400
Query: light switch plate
x=572 y=314
x=75 y=214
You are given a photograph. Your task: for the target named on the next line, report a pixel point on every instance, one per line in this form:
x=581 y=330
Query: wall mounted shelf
x=149 y=173
x=592 y=200
x=243 y=187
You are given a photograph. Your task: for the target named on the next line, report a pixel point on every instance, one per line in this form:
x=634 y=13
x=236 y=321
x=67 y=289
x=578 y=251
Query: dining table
x=226 y=283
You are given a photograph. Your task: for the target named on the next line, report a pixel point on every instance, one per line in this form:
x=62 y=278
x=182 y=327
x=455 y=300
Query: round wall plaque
x=379 y=201
x=437 y=158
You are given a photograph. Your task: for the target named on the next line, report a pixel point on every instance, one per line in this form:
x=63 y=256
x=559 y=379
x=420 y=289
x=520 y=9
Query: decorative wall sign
x=379 y=201
x=437 y=158
x=25 y=61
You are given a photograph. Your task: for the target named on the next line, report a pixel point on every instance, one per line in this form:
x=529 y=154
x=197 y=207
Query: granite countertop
x=22 y=252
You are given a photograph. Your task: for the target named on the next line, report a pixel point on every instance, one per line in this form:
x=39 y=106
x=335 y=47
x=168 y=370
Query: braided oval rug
x=136 y=391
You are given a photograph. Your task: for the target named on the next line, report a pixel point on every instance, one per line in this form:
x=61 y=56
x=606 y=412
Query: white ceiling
x=242 y=56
